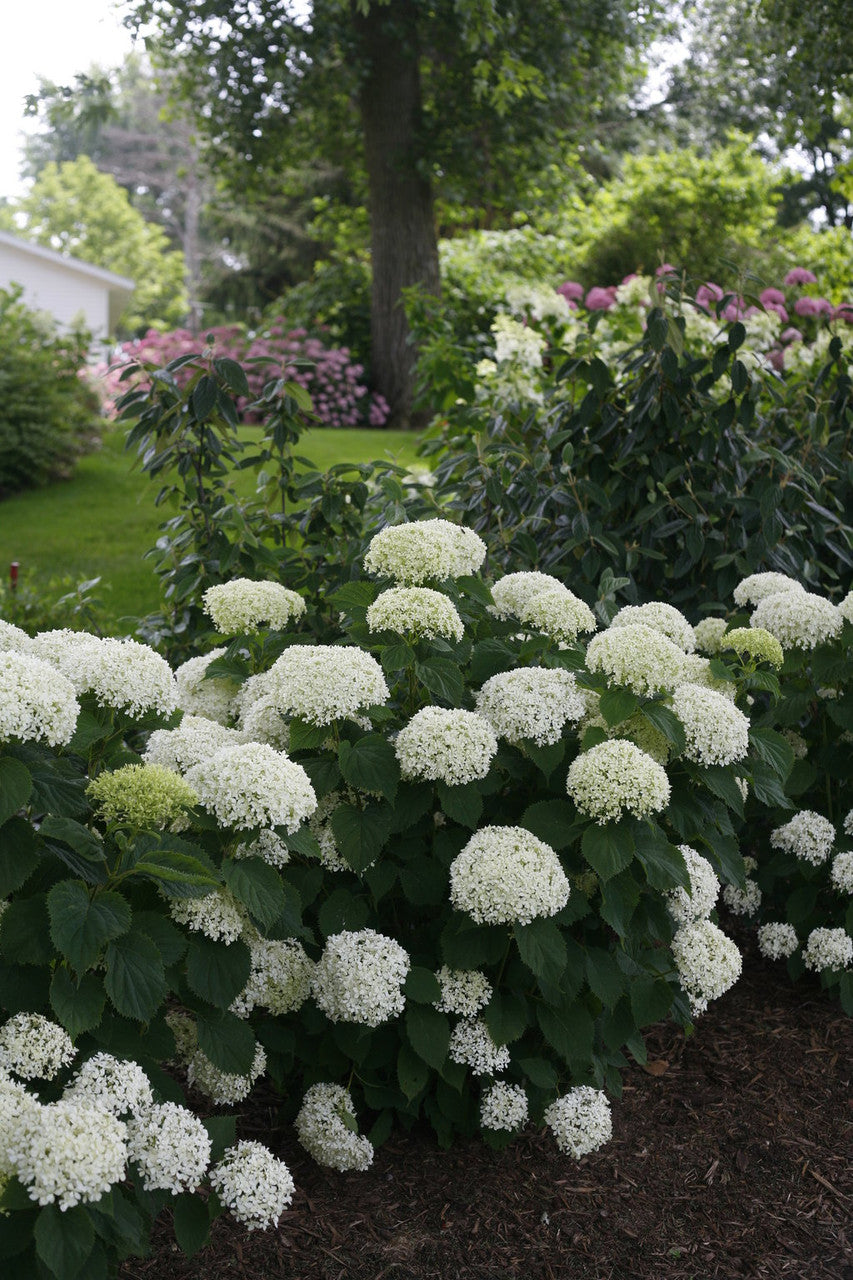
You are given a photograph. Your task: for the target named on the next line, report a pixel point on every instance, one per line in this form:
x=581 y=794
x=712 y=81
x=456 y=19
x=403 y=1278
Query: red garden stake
x=13 y=575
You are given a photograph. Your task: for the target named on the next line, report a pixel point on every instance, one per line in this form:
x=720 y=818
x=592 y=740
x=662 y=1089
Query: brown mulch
x=730 y=1158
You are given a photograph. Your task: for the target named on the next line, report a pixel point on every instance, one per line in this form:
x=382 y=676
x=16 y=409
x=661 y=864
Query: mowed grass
x=101 y=522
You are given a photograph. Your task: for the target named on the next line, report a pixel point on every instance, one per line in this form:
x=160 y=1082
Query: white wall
x=62 y=291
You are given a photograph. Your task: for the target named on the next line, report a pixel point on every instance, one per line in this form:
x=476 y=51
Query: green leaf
x=465 y=945
x=619 y=902
x=774 y=750
x=443 y=678
x=81 y=925
x=222 y=1131
x=217 y=972
x=361 y=834
x=605 y=978
x=462 y=804
x=204 y=397
x=651 y=999
x=554 y=821
x=227 y=1041
x=370 y=764
x=79 y=838
x=720 y=781
x=666 y=722
x=424 y=882
x=64 y=1240
x=307 y=737
x=474 y=587
x=568 y=1029
x=257 y=885
x=25 y=931
x=23 y=988
x=180 y=875
x=77 y=1003
x=412 y=1072
x=801 y=903
x=421 y=985
x=19 y=855
x=413 y=800
x=342 y=910
x=167 y=937
x=192 y=1222
x=429 y=1033
x=662 y=862
x=547 y=758
x=617 y=705
x=135 y=980
x=542 y=948
x=396 y=657
x=767 y=787
x=16 y=783
x=539 y=1072
x=608 y=848
x=506 y=1017
x=354 y=595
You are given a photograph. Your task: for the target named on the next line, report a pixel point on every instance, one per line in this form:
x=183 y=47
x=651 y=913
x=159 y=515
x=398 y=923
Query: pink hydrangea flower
x=666 y=269
x=800 y=275
x=844 y=311
x=707 y=294
x=771 y=295
x=779 y=309
x=776 y=358
x=571 y=290
x=734 y=309
x=813 y=306
x=791 y=335
x=599 y=299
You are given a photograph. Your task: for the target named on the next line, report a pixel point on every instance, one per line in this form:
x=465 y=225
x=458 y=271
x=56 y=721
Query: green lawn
x=102 y=521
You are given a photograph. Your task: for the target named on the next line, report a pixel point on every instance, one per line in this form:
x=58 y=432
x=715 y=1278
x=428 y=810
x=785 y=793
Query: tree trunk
x=403 y=243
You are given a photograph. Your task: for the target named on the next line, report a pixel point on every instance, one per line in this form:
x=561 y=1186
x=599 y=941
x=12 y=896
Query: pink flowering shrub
x=339 y=395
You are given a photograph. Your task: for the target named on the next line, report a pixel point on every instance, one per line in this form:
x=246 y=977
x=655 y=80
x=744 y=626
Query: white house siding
x=71 y=291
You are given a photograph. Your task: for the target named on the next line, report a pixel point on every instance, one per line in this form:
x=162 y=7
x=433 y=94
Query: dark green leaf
x=222 y=1131
x=720 y=781
x=16 y=783
x=370 y=764
x=619 y=902
x=413 y=800
x=25 y=931
x=428 y=1032
x=662 y=862
x=81 y=924
x=19 y=854
x=651 y=999
x=192 y=1222
x=422 y=986
x=23 y=988
x=773 y=749
x=179 y=874
x=541 y=947
x=506 y=1017
x=617 y=705
x=608 y=848
x=217 y=972
x=554 y=821
x=666 y=722
x=307 y=737
x=257 y=885
x=78 y=1004
x=361 y=834
x=443 y=678
x=342 y=910
x=540 y=1073
x=79 y=838
x=424 y=882
x=227 y=1041
x=353 y=595
x=463 y=804
x=64 y=1240
x=767 y=788
x=204 y=397
x=568 y=1029
x=604 y=976
x=135 y=980
x=412 y=1072
x=168 y=939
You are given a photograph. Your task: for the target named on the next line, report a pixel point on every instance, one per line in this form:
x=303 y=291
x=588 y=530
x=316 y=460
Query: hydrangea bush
x=416 y=885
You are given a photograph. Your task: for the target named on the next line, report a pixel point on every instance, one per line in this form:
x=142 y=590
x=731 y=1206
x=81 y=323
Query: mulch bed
x=730 y=1158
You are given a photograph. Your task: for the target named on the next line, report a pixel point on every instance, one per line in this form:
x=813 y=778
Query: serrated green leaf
x=554 y=821
x=462 y=804
x=619 y=898
x=180 y=875
x=506 y=1017
x=227 y=1041
x=605 y=978
x=77 y=1003
x=361 y=834
x=192 y=1222
x=422 y=986
x=81 y=924
x=412 y=1072
x=16 y=783
x=342 y=910
x=651 y=999
x=64 y=1240
x=25 y=931
x=217 y=972
x=662 y=862
x=135 y=980
x=666 y=722
x=257 y=885
x=539 y=1072
x=79 y=838
x=774 y=750
x=307 y=737
x=19 y=855
x=617 y=705
x=167 y=938
x=429 y=1033
x=222 y=1131
x=370 y=764
x=542 y=948
x=608 y=848
x=568 y=1029
x=443 y=678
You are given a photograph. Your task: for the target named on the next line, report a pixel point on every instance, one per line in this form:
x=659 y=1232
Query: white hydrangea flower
x=742 y=902
x=756 y=643
x=580 y=1121
x=280 y=978
x=143 y=795
x=517 y=342
x=828 y=949
x=171 y=1147
x=557 y=613
x=758 y=586
x=116 y=1085
x=189 y=744
x=715 y=730
x=33 y=1047
x=797 y=743
x=777 y=941
x=321 y=683
x=253 y=785
x=704 y=889
x=261 y=721
x=322 y=1132
x=13 y=639
x=419 y=612
x=36 y=702
x=242 y=606
x=424 y=551
x=697 y=670
x=841 y=874
x=531 y=702
x=320 y=827
x=359 y=977
x=218 y=915
x=223 y=1087
x=185 y=1031
x=848 y=823
x=637 y=656
x=504 y=1107
x=267 y=846
x=513 y=591
x=505 y=875
x=463 y=991
x=845 y=608
x=749 y=864
x=616 y=777
x=709 y=634
x=253 y=1184
x=212 y=697
x=708 y=962
x=67 y=1152
x=446 y=746
x=808 y=835
x=14 y=1100
x=664 y=618
x=122 y=674
x=471 y=1045
x=798 y=619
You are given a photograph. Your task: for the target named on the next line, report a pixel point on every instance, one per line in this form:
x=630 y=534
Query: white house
x=72 y=291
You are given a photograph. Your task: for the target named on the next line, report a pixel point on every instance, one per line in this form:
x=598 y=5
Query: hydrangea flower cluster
x=777 y=941
x=471 y=1045
x=218 y=915
x=170 y=1146
x=446 y=746
x=280 y=978
x=715 y=731
x=661 y=617
x=37 y=702
x=33 y=1047
x=359 y=977
x=253 y=1184
x=638 y=656
x=512 y=593
x=418 y=612
x=531 y=702
x=798 y=619
x=557 y=613
x=808 y=836
x=142 y=795
x=67 y=1152
x=828 y=949
x=121 y=674
x=13 y=639
x=841 y=874
x=201 y=695
x=224 y=1087
x=267 y=846
x=745 y=901
x=241 y=606
x=424 y=551
x=507 y=875
x=616 y=777
x=463 y=991
x=756 y=642
x=193 y=741
x=113 y=1084
x=504 y=1107
x=580 y=1121
x=253 y=785
x=708 y=962
x=709 y=634
x=698 y=904
x=323 y=1133
x=757 y=586
x=322 y=683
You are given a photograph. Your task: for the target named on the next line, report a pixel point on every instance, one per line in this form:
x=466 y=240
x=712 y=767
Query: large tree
x=462 y=95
